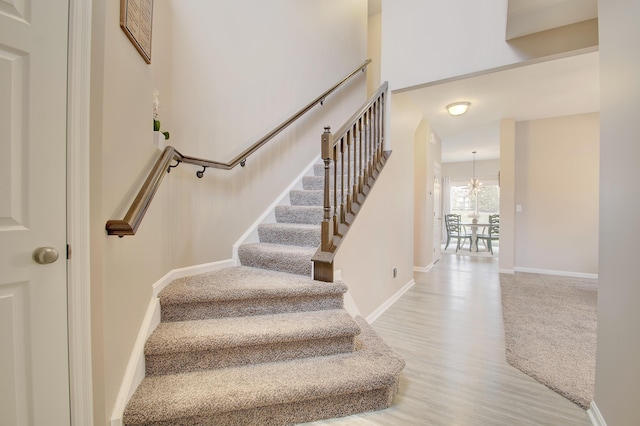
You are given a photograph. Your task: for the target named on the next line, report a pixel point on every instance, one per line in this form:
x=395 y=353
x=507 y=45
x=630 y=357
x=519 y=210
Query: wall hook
x=200 y=173
x=322 y=101
x=175 y=165
x=243 y=163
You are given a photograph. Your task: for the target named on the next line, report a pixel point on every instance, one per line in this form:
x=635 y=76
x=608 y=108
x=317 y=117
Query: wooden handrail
x=132 y=219
x=353 y=158
x=134 y=215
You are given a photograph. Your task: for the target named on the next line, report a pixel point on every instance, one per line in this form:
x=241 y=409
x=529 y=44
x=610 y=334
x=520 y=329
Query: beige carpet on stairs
x=550 y=331
x=249 y=346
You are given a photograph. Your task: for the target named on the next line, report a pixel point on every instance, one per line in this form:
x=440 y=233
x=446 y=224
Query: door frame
x=78 y=213
x=437 y=206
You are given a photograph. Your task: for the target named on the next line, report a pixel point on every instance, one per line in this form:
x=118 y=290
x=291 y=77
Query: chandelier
x=474 y=183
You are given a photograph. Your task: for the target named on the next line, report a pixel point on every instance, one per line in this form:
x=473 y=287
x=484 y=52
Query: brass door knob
x=45 y=255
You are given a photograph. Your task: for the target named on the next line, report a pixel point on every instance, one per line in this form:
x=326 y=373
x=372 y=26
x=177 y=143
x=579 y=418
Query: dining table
x=474 y=233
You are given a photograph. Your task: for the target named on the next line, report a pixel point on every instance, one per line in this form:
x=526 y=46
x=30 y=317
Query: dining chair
x=491 y=232
x=456 y=230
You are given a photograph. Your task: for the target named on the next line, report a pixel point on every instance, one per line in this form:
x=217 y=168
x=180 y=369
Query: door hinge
x=68 y=252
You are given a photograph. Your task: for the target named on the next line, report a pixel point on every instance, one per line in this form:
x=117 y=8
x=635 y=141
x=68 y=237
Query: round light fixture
x=458 y=108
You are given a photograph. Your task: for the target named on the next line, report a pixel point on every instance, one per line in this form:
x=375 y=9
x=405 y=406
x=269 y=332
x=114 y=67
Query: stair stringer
x=135 y=370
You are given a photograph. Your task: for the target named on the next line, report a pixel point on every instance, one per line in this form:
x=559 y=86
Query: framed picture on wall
x=136 y=19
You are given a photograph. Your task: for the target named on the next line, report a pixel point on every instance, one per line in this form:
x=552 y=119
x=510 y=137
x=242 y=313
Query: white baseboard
x=423 y=268
x=380 y=310
x=350 y=305
x=135 y=370
x=506 y=271
x=595 y=416
x=554 y=272
x=188 y=271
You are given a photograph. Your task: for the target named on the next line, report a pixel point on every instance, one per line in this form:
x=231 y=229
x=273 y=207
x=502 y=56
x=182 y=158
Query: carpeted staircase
x=289 y=244
x=263 y=343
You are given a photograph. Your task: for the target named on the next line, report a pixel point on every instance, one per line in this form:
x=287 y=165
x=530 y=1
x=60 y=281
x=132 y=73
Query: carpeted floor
x=550 y=331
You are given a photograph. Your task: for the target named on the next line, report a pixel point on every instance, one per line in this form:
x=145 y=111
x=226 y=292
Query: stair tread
x=187 y=336
x=281 y=248
x=289 y=225
x=301 y=208
x=176 y=396
x=243 y=282
x=292 y=234
x=307 y=214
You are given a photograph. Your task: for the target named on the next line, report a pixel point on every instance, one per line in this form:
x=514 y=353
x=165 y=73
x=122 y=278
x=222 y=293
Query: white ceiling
x=548 y=89
x=565 y=86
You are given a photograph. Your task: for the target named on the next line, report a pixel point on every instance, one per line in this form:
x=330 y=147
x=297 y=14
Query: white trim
x=189 y=271
x=554 y=272
x=134 y=373
x=78 y=213
x=350 y=305
x=595 y=415
x=423 y=268
x=135 y=370
x=251 y=235
x=506 y=271
x=386 y=305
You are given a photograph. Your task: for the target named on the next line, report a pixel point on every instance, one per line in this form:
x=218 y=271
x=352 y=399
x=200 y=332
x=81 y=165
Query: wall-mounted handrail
x=132 y=219
x=266 y=138
x=134 y=215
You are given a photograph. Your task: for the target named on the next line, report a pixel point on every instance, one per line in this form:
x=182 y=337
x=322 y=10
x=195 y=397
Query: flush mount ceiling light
x=458 y=108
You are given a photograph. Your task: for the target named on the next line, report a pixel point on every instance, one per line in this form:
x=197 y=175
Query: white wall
x=426 y=153
x=431 y=40
x=434 y=155
x=556 y=184
x=420 y=43
x=507 y=194
x=463 y=170
x=228 y=72
x=617 y=389
x=421 y=246
x=248 y=82
x=374 y=39
x=381 y=237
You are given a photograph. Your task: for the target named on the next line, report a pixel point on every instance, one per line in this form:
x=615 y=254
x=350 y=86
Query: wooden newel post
x=327 y=157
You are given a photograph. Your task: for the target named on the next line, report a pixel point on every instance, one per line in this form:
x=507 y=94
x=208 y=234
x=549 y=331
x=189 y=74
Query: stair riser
x=296 y=237
x=243 y=355
x=311 y=216
x=299 y=265
x=317 y=183
x=318 y=169
x=307 y=198
x=248 y=307
x=293 y=412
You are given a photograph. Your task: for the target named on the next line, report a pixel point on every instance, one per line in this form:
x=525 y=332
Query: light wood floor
x=449 y=329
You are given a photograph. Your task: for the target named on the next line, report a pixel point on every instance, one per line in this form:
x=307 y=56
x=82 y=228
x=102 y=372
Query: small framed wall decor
x=136 y=18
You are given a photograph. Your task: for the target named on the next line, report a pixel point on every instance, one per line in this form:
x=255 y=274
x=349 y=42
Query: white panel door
x=34 y=379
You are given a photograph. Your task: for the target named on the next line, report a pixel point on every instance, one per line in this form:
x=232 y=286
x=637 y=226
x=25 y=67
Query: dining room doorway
x=476 y=208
